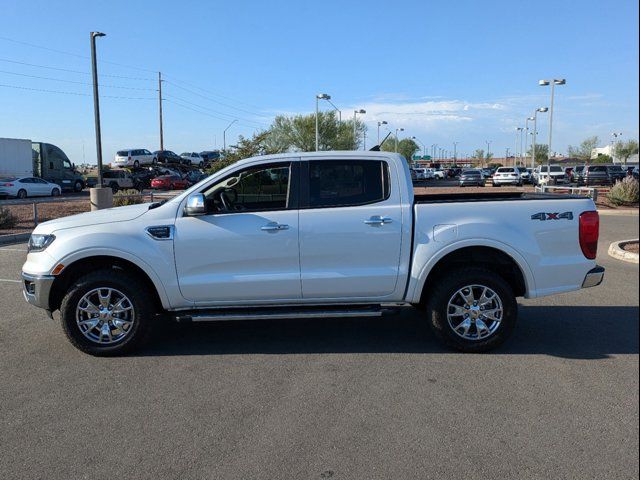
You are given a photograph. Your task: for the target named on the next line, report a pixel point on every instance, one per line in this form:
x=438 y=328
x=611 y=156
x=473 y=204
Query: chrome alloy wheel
x=105 y=315
x=474 y=312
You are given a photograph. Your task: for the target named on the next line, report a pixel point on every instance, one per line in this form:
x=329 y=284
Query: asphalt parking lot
x=346 y=399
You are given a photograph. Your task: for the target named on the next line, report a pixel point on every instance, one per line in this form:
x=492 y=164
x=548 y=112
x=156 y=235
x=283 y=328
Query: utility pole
x=160 y=109
x=96 y=103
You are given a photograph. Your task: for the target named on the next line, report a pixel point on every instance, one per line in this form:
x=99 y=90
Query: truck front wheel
x=107 y=313
x=78 y=186
x=472 y=309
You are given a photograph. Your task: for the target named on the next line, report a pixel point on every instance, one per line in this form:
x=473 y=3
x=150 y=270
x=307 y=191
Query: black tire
x=22 y=193
x=78 y=186
x=448 y=285
x=114 y=187
x=55 y=192
x=136 y=164
x=141 y=299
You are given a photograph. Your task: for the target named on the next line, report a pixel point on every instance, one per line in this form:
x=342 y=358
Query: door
x=246 y=247
x=41 y=187
x=350 y=229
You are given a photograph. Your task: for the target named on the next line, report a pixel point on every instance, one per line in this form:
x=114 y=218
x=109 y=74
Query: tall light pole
x=398 y=130
x=320 y=96
x=362 y=111
x=614 y=140
x=160 y=109
x=526 y=134
x=424 y=147
x=535 y=133
x=383 y=122
x=519 y=131
x=553 y=83
x=224 y=136
x=455 y=151
x=96 y=103
x=488 y=142
x=433 y=150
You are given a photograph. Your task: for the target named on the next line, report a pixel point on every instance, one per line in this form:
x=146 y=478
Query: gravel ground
x=631 y=247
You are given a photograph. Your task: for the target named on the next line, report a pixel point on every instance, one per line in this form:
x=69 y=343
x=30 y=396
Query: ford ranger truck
x=311 y=235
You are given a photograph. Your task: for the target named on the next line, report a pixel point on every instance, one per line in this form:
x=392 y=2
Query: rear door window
x=343 y=183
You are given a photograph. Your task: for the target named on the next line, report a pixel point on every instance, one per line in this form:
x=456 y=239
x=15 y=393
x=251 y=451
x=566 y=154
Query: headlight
x=38 y=242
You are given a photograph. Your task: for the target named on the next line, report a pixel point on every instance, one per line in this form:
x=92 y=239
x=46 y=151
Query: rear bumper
x=594 y=277
x=36 y=289
x=506 y=181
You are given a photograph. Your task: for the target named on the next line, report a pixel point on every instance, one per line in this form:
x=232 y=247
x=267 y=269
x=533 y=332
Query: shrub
x=127 y=197
x=624 y=192
x=7 y=219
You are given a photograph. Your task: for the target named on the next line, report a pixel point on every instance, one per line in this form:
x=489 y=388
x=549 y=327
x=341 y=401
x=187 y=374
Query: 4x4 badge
x=552 y=216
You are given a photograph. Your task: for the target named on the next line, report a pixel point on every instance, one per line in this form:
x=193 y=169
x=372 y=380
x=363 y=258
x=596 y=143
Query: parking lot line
x=10 y=280
x=13 y=249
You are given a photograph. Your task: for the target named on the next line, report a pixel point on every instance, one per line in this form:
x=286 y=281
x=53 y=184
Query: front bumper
x=594 y=277
x=36 y=289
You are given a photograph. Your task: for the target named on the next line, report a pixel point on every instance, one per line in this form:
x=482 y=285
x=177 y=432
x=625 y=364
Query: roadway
x=357 y=398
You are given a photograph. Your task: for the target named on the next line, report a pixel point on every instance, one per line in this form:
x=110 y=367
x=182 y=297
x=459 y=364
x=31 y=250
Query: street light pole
x=488 y=142
x=543 y=83
x=224 y=136
x=160 y=109
x=519 y=132
x=96 y=103
x=398 y=130
x=614 y=141
x=526 y=135
x=424 y=147
x=455 y=151
x=362 y=111
x=535 y=134
x=320 y=96
x=384 y=122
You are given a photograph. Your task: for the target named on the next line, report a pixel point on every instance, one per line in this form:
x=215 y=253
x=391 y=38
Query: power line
x=214 y=94
x=72 y=93
x=211 y=99
x=206 y=113
x=77 y=55
x=72 y=71
x=76 y=82
x=230 y=116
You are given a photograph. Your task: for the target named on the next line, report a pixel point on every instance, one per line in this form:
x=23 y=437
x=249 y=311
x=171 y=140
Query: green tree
x=584 y=150
x=542 y=153
x=602 y=158
x=245 y=148
x=478 y=154
x=625 y=149
x=298 y=133
x=406 y=147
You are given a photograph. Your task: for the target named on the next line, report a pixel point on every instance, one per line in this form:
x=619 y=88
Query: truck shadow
x=568 y=332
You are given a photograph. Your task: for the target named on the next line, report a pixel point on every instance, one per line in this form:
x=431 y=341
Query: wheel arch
x=498 y=258
x=83 y=265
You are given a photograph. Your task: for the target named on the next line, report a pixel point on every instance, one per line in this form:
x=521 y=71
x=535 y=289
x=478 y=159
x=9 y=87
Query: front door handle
x=378 y=220
x=274 y=227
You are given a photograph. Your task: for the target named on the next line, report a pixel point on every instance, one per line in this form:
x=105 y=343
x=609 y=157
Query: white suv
x=134 y=158
x=192 y=158
x=507 y=176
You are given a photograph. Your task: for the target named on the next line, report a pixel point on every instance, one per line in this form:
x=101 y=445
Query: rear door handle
x=274 y=227
x=378 y=220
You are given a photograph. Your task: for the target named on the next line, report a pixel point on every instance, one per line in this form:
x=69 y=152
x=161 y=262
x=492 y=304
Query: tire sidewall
x=123 y=282
x=451 y=283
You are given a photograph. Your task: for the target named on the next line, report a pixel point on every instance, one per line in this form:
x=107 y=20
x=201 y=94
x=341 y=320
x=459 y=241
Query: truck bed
x=490 y=197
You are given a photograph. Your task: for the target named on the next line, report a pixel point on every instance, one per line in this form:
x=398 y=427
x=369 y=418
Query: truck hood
x=108 y=215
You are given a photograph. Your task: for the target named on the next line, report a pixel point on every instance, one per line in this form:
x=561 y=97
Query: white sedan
x=23 y=187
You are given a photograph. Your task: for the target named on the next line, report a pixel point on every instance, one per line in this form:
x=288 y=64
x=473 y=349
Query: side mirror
x=195 y=205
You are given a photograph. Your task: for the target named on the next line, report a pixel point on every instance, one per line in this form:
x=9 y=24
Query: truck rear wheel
x=472 y=309
x=107 y=313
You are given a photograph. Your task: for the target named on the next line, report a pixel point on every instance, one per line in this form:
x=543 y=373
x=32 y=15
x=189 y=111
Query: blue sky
x=464 y=71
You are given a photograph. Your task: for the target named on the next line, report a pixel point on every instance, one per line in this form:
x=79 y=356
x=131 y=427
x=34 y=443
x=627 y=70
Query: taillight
x=589 y=232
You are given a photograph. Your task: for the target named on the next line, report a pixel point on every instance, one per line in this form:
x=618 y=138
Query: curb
x=626 y=212
x=16 y=238
x=616 y=251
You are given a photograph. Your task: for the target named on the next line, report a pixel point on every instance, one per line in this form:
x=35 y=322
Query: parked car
x=616 y=173
x=194 y=176
x=506 y=176
x=134 y=158
x=593 y=175
x=471 y=177
x=439 y=174
x=192 y=158
x=423 y=173
x=167 y=156
x=556 y=175
x=526 y=174
x=170 y=182
x=120 y=180
x=91 y=181
x=486 y=173
x=210 y=156
x=23 y=187
x=310 y=235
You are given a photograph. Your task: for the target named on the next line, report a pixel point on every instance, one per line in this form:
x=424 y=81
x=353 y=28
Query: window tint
x=505 y=170
x=334 y=183
x=26 y=180
x=597 y=169
x=265 y=187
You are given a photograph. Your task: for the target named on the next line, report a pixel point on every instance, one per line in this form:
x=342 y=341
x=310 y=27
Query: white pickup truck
x=310 y=235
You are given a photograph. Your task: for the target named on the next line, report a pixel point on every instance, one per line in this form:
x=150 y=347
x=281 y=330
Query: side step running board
x=278 y=313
